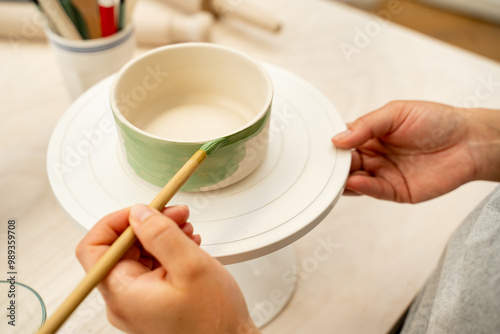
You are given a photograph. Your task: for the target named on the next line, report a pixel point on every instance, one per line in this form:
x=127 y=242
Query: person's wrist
x=484 y=143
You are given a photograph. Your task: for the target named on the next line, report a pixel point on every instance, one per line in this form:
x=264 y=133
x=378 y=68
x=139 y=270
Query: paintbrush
x=89 y=10
x=125 y=241
x=58 y=19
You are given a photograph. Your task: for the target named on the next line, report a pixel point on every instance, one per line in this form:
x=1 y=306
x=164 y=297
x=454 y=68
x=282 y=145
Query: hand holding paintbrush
x=125 y=241
x=166 y=284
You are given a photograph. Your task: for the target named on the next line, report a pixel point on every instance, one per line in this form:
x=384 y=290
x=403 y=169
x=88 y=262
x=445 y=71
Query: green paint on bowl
x=157 y=161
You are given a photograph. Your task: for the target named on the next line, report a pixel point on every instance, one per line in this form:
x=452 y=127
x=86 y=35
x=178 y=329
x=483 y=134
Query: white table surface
x=381 y=252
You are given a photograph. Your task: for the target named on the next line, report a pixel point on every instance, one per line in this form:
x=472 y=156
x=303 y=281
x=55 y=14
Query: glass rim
x=42 y=304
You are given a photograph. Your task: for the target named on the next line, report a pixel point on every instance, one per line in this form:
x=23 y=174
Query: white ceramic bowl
x=170 y=101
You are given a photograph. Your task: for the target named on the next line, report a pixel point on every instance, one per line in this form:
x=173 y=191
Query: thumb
x=372 y=125
x=163 y=239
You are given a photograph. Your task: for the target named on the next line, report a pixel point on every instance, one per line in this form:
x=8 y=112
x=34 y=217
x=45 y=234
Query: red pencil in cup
x=107 y=12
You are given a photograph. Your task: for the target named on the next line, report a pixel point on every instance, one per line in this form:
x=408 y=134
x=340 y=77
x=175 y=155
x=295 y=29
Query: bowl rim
x=261 y=114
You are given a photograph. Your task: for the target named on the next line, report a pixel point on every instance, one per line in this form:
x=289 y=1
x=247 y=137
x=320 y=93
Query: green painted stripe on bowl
x=213 y=145
x=157 y=161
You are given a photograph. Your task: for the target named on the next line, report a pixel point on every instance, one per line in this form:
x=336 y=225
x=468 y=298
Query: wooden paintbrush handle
x=93 y=277
x=178 y=180
x=89 y=10
x=118 y=248
x=58 y=18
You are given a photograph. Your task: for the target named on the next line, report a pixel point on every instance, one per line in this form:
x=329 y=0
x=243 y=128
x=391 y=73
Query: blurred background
x=473 y=25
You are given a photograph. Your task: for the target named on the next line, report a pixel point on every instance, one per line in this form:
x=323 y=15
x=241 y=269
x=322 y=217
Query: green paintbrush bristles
x=212 y=145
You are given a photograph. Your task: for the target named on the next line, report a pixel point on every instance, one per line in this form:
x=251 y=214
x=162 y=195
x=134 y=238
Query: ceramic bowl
x=170 y=101
x=23 y=310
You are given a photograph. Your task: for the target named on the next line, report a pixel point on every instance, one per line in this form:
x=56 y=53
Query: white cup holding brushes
x=85 y=62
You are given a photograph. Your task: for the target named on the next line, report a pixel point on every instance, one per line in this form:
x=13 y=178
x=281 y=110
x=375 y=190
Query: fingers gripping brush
x=126 y=240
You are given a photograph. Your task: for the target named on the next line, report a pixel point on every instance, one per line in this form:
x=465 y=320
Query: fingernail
x=139 y=212
x=179 y=206
x=184 y=208
x=342 y=135
x=196 y=238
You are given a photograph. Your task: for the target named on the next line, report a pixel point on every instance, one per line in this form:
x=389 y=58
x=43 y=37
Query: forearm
x=484 y=142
